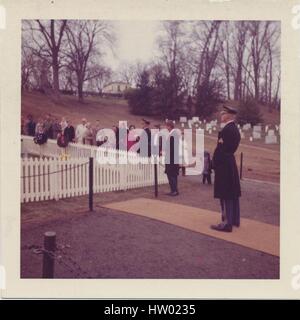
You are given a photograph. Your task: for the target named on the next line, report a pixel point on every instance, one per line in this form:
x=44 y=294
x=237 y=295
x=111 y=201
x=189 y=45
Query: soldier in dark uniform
x=172 y=158
x=227 y=183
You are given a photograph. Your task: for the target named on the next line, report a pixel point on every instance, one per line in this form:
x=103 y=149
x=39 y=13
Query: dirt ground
x=259 y=163
x=110 y=244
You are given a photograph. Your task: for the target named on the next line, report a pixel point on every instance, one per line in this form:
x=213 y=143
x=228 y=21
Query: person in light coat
x=81 y=131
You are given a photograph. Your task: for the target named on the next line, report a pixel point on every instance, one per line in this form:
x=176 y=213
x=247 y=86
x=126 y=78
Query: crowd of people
x=85 y=132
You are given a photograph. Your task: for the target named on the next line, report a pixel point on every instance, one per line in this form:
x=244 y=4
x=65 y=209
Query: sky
x=135 y=41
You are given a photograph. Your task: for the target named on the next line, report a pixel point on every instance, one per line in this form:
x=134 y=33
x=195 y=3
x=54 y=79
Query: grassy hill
x=108 y=111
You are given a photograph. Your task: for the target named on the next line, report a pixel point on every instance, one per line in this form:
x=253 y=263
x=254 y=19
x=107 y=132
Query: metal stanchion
x=48 y=254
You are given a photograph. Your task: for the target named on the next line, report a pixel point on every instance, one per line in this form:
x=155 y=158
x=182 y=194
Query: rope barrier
x=46 y=174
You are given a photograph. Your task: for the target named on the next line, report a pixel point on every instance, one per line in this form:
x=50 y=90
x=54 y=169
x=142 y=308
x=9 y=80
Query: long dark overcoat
x=172 y=154
x=227 y=182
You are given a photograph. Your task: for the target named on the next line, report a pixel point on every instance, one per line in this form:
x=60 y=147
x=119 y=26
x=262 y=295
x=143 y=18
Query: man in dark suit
x=172 y=158
x=227 y=183
x=69 y=132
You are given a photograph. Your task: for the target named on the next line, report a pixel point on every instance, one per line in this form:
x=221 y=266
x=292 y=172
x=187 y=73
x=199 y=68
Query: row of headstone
x=246 y=126
x=210 y=127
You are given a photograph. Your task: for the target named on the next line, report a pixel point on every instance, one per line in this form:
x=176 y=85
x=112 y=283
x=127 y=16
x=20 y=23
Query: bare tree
x=127 y=73
x=46 y=42
x=67 y=80
x=104 y=76
x=27 y=66
x=83 y=49
x=239 y=39
x=259 y=33
x=276 y=99
x=207 y=47
x=225 y=56
x=171 y=45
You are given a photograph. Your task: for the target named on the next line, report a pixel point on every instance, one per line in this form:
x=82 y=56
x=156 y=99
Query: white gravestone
x=195 y=119
x=246 y=126
x=256 y=135
x=270 y=137
x=183 y=119
x=208 y=126
x=257 y=128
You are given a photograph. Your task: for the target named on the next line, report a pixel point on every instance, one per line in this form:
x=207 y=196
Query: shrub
x=249 y=112
x=209 y=94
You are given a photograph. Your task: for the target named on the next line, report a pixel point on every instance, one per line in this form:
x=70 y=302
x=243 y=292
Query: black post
x=241 y=166
x=48 y=254
x=91 y=182
x=155 y=178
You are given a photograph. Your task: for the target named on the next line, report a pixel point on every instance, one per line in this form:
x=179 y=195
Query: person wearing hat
x=227 y=183
x=172 y=158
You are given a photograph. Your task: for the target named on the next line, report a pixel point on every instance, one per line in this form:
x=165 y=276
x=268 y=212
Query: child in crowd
x=207 y=166
x=40 y=137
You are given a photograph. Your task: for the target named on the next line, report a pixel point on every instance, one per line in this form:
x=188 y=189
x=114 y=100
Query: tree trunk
x=80 y=90
x=55 y=69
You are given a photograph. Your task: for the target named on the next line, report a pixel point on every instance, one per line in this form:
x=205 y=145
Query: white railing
x=51 y=149
x=56 y=177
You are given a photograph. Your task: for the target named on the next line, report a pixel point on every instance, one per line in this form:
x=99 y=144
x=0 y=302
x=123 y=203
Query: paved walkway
x=252 y=234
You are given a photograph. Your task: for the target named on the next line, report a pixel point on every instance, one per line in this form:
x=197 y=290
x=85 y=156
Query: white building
x=115 y=88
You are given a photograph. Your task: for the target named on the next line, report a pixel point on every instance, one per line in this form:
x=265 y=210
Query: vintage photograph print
x=150 y=149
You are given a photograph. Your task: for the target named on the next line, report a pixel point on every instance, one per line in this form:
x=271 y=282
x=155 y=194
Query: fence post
x=155 y=178
x=91 y=182
x=122 y=169
x=241 y=166
x=48 y=254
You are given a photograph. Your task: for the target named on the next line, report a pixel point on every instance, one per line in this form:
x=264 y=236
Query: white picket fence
x=56 y=178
